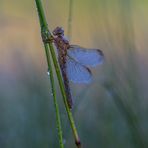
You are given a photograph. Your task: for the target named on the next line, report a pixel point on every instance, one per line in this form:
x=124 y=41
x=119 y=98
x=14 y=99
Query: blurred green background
x=112 y=111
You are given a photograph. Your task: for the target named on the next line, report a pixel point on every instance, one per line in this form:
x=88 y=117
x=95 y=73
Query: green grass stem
x=69 y=29
x=46 y=34
x=53 y=91
x=128 y=114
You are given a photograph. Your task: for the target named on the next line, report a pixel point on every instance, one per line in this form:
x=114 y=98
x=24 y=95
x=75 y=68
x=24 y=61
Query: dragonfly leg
x=46 y=37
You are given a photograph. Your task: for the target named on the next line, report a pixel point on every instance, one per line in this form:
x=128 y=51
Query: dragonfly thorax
x=62 y=45
x=60 y=41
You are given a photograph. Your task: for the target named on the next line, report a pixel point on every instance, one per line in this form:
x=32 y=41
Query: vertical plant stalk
x=126 y=13
x=69 y=24
x=46 y=34
x=53 y=91
x=128 y=114
x=128 y=38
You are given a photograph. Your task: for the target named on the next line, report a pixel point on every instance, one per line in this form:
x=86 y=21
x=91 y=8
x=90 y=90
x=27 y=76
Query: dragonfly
x=75 y=62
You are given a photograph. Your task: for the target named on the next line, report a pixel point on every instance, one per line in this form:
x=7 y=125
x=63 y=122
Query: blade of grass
x=69 y=34
x=128 y=114
x=46 y=34
x=53 y=91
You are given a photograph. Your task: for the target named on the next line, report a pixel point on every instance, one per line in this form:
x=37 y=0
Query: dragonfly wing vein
x=87 y=57
x=76 y=72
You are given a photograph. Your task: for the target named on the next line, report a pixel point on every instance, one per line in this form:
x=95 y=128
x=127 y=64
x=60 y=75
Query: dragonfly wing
x=87 y=57
x=76 y=72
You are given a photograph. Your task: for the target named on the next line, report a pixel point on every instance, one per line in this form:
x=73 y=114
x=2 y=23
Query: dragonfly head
x=58 y=31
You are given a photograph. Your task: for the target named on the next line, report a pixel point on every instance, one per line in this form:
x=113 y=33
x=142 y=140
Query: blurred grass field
x=112 y=111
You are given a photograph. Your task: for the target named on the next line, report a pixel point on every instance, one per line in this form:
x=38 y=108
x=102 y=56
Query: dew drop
x=48 y=73
x=64 y=141
x=51 y=94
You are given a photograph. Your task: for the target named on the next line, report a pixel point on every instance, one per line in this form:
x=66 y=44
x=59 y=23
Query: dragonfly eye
x=58 y=31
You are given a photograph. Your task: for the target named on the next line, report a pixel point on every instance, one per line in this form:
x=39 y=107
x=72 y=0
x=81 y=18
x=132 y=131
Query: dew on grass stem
x=48 y=73
x=64 y=141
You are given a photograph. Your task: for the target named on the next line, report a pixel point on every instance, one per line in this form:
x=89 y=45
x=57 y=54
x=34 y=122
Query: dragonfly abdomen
x=62 y=53
x=67 y=87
